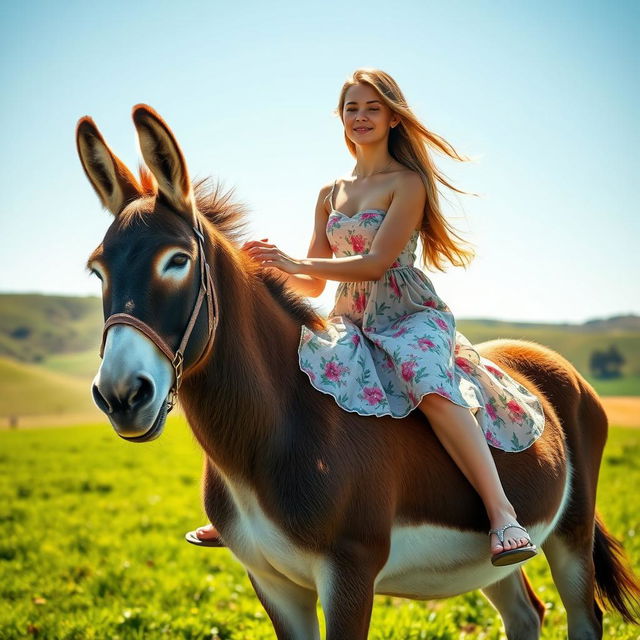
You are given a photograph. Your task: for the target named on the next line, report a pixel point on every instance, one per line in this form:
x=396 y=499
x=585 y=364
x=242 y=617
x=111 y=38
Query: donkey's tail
x=615 y=581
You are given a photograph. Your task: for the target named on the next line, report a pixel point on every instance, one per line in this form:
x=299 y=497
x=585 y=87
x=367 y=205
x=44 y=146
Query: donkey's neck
x=236 y=403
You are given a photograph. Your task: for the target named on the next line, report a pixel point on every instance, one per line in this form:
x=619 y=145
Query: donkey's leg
x=574 y=576
x=346 y=589
x=292 y=608
x=520 y=609
x=347 y=601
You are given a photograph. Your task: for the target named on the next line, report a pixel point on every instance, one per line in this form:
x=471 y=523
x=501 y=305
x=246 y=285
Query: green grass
x=91 y=547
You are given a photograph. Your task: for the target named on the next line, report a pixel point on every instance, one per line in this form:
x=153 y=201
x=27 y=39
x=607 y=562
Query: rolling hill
x=49 y=345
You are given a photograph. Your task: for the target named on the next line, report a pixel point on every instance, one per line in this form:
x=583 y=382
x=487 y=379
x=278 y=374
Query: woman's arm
x=403 y=216
x=319 y=247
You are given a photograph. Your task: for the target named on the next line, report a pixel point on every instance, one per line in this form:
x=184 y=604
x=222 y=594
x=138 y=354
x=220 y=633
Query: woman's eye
x=179 y=260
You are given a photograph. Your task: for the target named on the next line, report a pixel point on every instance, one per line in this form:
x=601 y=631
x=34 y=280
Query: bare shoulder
x=326 y=188
x=410 y=181
x=323 y=196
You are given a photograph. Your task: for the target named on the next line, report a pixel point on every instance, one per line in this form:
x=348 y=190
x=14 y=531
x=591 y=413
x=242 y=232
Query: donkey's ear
x=113 y=182
x=164 y=158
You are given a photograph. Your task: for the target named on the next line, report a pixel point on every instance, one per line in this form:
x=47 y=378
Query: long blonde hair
x=409 y=143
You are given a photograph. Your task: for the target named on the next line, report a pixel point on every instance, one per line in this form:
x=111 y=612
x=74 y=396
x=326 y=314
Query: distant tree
x=607 y=364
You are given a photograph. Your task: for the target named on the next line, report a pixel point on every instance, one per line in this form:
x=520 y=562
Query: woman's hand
x=268 y=255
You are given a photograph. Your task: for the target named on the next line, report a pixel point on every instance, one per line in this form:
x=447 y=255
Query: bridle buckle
x=178 y=363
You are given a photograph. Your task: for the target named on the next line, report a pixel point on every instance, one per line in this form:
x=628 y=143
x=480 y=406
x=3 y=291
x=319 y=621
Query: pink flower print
x=334 y=248
x=442 y=324
x=368 y=216
x=412 y=398
x=333 y=370
x=360 y=302
x=449 y=375
x=394 y=286
x=388 y=362
x=496 y=373
x=394 y=264
x=357 y=242
x=373 y=395
x=377 y=342
x=491 y=410
x=491 y=439
x=457 y=349
x=442 y=391
x=355 y=338
x=408 y=369
x=463 y=363
x=399 y=332
x=516 y=412
x=331 y=223
x=425 y=343
x=430 y=303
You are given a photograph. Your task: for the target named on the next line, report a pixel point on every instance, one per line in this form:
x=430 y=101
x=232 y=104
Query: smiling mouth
x=363 y=129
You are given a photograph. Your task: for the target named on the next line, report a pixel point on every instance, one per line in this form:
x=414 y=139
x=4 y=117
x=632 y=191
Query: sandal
x=192 y=537
x=511 y=556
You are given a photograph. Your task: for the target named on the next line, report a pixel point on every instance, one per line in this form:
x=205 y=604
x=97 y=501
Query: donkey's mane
x=230 y=218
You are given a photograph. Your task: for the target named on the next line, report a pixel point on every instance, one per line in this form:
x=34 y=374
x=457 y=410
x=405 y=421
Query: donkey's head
x=158 y=296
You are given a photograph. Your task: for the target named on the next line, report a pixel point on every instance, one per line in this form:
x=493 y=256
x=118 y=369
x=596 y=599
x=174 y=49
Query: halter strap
x=206 y=290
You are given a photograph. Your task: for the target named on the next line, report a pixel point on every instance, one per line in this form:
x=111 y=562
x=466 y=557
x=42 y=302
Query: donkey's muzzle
x=129 y=404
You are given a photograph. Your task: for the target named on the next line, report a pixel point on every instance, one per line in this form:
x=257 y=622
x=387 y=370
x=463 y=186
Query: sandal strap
x=500 y=532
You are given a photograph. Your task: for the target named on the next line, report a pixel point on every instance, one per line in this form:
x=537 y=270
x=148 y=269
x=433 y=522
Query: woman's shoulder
x=408 y=180
x=325 y=193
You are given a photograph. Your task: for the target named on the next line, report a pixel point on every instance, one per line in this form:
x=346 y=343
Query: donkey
x=314 y=501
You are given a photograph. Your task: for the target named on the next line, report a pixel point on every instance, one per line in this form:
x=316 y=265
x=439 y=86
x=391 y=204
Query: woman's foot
x=207 y=536
x=207 y=532
x=514 y=536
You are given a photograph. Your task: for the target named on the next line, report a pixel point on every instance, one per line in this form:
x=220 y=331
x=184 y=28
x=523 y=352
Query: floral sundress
x=390 y=342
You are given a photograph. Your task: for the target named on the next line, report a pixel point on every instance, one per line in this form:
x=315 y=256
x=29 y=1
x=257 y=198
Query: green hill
x=61 y=336
x=30 y=390
x=34 y=327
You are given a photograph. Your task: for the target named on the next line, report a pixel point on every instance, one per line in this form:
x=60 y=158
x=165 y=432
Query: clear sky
x=544 y=95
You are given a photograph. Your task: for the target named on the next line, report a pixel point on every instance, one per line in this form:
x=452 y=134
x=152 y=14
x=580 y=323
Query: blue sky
x=544 y=95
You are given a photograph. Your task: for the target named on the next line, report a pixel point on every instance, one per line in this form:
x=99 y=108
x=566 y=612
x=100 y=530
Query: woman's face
x=366 y=117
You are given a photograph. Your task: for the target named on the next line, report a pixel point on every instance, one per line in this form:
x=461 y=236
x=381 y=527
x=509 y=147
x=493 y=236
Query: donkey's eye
x=96 y=273
x=178 y=260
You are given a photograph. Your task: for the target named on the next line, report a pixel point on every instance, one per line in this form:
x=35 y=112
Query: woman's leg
x=460 y=434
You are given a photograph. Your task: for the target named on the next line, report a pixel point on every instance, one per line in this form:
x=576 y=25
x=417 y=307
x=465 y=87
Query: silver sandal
x=511 y=556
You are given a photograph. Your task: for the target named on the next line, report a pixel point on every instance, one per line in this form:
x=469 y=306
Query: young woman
x=391 y=345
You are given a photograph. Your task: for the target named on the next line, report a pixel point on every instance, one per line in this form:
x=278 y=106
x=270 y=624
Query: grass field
x=91 y=547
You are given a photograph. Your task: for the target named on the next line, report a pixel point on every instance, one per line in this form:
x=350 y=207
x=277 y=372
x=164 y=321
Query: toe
x=206 y=532
x=496 y=547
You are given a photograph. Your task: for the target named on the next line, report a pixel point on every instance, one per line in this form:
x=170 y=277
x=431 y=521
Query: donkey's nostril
x=100 y=400
x=142 y=393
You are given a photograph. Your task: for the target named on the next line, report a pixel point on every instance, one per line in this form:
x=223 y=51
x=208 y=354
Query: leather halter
x=207 y=290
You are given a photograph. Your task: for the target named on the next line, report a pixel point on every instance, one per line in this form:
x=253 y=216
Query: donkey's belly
x=429 y=561
x=425 y=561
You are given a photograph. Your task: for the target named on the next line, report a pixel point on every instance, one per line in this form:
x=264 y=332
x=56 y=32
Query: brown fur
x=336 y=482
